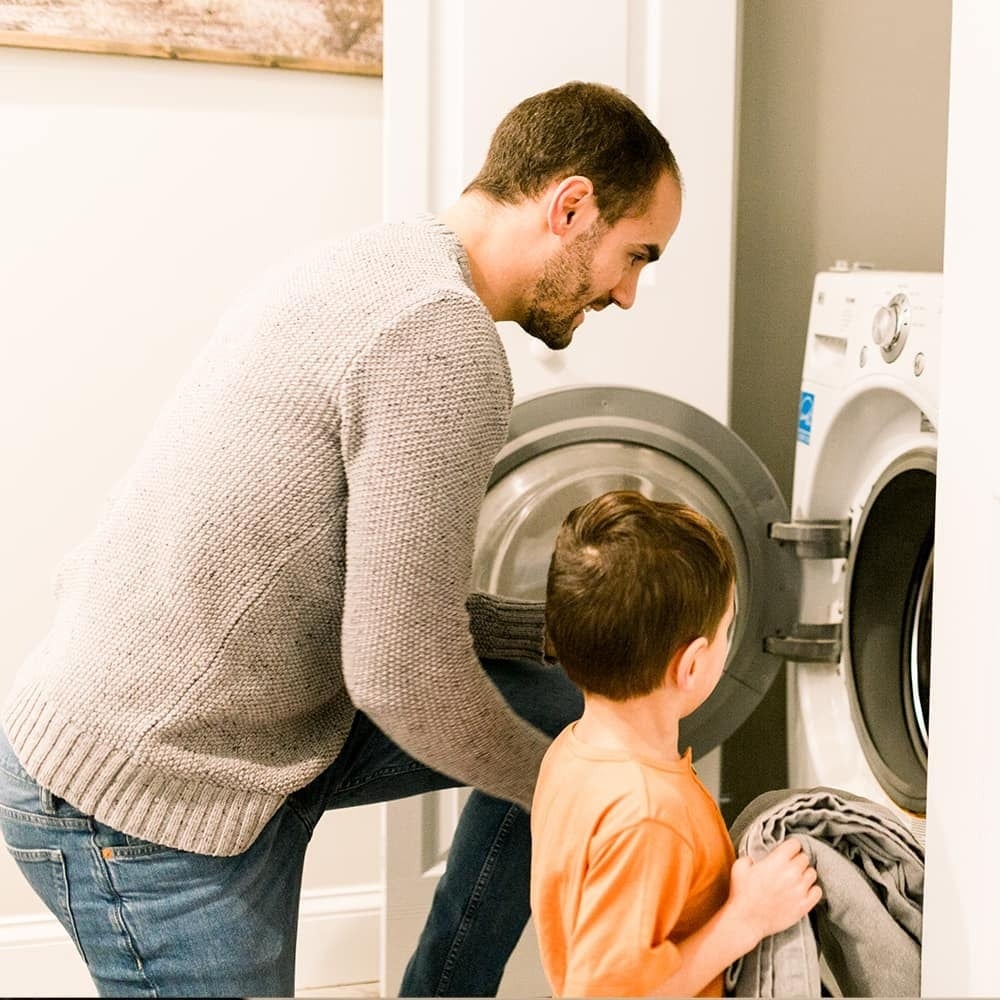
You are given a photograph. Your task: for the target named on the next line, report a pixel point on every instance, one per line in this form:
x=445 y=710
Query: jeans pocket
x=117 y=846
x=45 y=870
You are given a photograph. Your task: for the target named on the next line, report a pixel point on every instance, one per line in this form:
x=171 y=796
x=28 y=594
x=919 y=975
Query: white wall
x=963 y=868
x=138 y=196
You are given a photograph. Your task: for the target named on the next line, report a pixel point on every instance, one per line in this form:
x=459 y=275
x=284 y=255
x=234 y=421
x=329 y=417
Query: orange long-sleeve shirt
x=629 y=856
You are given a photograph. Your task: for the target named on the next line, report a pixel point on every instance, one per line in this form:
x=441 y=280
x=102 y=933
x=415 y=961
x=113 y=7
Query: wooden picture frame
x=334 y=36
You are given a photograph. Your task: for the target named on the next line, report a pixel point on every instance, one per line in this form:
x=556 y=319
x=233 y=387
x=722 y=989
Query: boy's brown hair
x=631 y=582
x=579 y=128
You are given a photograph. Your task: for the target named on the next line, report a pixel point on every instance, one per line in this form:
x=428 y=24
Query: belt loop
x=47 y=801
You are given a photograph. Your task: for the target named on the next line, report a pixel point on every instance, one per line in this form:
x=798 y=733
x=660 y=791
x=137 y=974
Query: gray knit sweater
x=293 y=542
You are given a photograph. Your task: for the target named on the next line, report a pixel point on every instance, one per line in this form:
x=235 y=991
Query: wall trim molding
x=338 y=944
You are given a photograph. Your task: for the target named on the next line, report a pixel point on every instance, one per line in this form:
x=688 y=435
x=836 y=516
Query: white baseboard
x=338 y=944
x=338 y=936
x=39 y=959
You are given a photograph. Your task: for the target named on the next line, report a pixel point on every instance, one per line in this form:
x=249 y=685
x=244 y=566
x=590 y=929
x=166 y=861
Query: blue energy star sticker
x=806 y=416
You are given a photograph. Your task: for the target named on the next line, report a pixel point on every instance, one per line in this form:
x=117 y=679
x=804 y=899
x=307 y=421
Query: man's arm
x=506 y=628
x=424 y=413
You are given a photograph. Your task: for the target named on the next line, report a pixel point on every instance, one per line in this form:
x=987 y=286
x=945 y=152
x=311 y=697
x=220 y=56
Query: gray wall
x=843 y=131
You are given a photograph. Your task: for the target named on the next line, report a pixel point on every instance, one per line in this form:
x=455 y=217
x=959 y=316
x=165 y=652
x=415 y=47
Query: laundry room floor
x=344 y=990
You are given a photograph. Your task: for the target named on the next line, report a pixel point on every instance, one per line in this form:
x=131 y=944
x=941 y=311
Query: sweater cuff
x=506 y=628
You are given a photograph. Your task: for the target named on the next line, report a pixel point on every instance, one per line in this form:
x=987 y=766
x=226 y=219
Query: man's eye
x=637 y=258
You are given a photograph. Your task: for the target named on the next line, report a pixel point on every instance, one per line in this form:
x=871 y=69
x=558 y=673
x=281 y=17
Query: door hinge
x=813 y=539
x=808 y=644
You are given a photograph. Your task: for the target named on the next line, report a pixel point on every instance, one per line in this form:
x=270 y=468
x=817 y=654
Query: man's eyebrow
x=652 y=251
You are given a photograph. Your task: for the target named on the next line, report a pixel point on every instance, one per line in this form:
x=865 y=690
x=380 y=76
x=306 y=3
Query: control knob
x=890 y=326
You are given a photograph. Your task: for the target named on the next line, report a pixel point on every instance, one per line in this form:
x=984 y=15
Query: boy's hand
x=775 y=892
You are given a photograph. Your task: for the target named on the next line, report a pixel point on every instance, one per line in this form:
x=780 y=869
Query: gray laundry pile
x=868 y=924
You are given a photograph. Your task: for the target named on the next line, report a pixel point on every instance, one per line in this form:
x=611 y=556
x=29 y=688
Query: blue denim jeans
x=153 y=921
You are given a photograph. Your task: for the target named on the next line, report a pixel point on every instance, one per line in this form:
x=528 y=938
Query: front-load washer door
x=568 y=446
x=887 y=621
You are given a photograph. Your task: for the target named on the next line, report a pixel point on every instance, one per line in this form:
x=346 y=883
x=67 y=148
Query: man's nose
x=623 y=294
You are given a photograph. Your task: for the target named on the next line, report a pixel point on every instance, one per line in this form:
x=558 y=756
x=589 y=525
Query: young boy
x=634 y=889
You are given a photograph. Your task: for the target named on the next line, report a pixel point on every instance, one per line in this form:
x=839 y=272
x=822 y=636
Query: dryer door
x=568 y=446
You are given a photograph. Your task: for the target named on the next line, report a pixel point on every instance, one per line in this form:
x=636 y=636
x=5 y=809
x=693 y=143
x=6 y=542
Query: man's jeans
x=153 y=921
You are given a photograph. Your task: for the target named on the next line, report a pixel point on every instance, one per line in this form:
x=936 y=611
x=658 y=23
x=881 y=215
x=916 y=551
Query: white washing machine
x=863 y=506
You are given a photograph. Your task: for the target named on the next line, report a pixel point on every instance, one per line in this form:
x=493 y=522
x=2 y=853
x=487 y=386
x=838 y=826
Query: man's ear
x=686 y=663
x=571 y=205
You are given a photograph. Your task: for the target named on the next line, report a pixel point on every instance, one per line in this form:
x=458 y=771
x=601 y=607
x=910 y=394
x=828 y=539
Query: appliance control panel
x=866 y=321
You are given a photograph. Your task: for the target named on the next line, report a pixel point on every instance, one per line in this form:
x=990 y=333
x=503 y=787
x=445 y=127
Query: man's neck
x=503 y=244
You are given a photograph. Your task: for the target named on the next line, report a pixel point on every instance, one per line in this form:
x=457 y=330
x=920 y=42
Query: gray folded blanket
x=870 y=867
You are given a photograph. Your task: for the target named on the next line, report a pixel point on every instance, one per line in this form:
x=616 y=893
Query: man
x=272 y=618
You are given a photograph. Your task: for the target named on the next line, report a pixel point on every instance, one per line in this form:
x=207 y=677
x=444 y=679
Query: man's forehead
x=655 y=226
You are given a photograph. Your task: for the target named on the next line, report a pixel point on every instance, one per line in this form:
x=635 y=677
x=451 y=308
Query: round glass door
x=568 y=446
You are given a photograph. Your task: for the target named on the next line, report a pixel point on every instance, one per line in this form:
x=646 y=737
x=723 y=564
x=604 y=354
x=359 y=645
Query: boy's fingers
x=787 y=849
x=794 y=846
x=801 y=861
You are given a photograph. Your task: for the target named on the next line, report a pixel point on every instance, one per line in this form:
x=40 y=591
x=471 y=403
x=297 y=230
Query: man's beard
x=563 y=290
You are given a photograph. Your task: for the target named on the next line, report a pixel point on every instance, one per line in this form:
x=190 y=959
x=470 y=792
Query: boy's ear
x=548 y=650
x=686 y=662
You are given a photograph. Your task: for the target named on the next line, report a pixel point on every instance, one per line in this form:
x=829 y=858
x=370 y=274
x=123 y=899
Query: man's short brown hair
x=585 y=129
x=631 y=582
